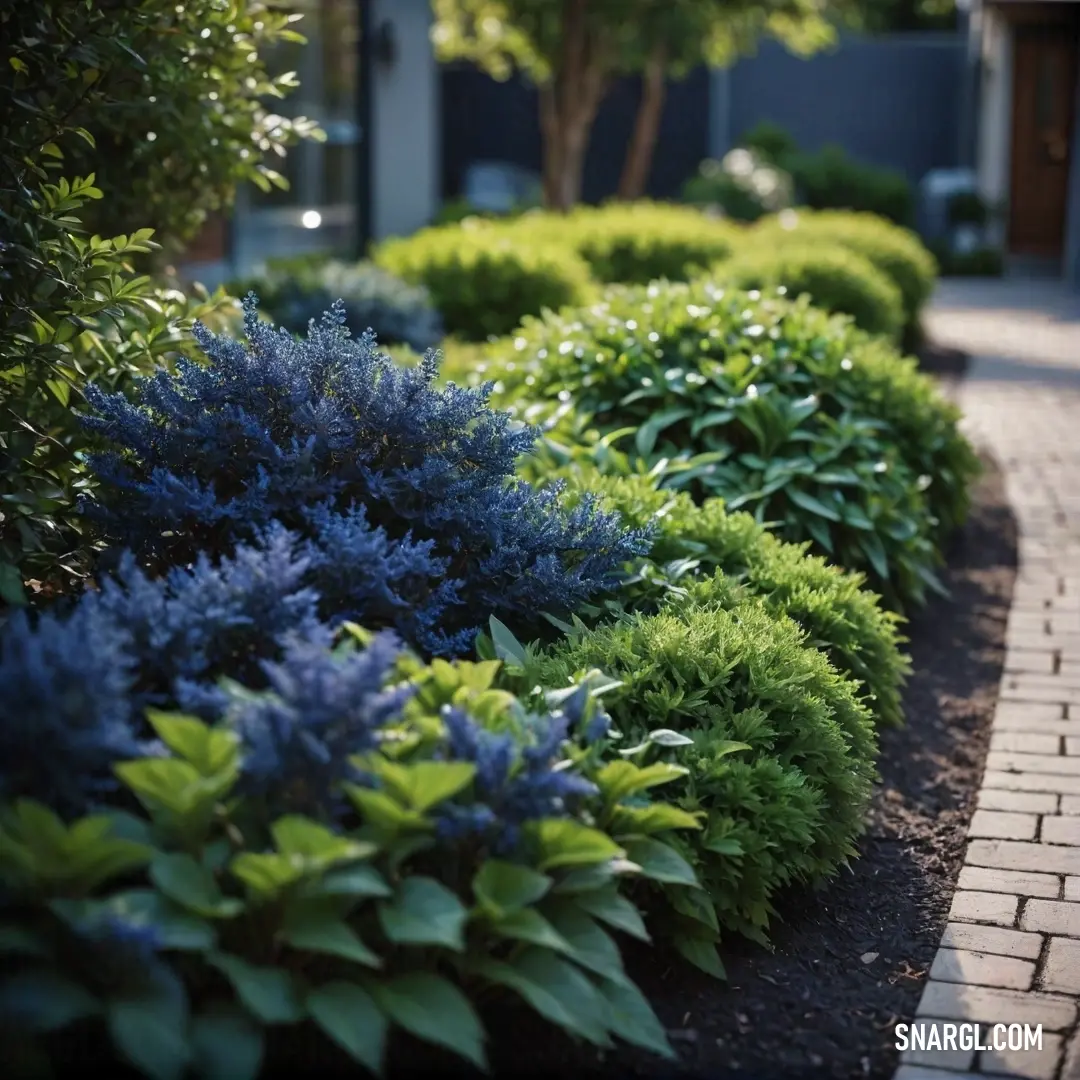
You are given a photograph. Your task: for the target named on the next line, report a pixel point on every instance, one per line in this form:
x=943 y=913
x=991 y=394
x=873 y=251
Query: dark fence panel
x=894 y=101
x=485 y=120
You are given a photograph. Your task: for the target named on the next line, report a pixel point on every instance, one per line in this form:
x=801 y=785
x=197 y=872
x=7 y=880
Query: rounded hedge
x=894 y=250
x=782 y=755
x=294 y=291
x=846 y=621
x=635 y=243
x=836 y=279
x=482 y=278
x=773 y=392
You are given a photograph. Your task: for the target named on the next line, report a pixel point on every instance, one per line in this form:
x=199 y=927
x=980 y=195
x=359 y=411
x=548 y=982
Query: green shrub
x=292 y=292
x=636 y=243
x=771 y=400
x=982 y=262
x=691 y=542
x=895 y=251
x=742 y=186
x=780 y=751
x=830 y=180
x=836 y=279
x=482 y=279
x=466 y=846
x=773 y=142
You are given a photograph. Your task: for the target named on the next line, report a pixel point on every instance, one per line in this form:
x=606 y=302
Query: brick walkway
x=1011 y=951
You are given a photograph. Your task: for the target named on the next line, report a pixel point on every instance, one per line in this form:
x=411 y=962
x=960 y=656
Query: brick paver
x=1011 y=951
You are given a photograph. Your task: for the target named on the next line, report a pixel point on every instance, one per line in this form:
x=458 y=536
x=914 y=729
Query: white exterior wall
x=405 y=120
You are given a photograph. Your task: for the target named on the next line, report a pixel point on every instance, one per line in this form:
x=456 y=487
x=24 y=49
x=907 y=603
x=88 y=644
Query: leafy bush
x=170 y=101
x=773 y=142
x=482 y=279
x=635 y=242
x=402 y=489
x=780 y=751
x=982 y=262
x=692 y=542
x=295 y=291
x=894 y=251
x=355 y=841
x=831 y=180
x=742 y=185
x=836 y=279
x=769 y=399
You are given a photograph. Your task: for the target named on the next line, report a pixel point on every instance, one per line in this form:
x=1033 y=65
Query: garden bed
x=820 y=1005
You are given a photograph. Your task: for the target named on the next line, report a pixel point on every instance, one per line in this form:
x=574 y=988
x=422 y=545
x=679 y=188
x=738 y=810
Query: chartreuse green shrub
x=894 y=250
x=836 y=279
x=767 y=398
x=635 y=243
x=483 y=279
x=780 y=750
x=692 y=542
x=451 y=844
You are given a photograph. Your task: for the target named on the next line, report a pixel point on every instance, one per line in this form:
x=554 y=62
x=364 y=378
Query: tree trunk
x=639 y=154
x=568 y=107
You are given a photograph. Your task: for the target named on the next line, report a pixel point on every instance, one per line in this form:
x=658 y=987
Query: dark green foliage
x=781 y=752
x=173 y=99
x=836 y=279
x=692 y=542
x=294 y=291
x=481 y=279
x=743 y=186
x=635 y=243
x=895 y=251
x=769 y=400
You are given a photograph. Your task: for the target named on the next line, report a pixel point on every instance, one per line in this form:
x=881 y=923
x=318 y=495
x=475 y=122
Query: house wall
x=405 y=136
x=995 y=113
x=893 y=101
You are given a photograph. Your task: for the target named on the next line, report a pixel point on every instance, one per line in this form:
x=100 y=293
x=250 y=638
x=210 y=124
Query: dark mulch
x=851 y=961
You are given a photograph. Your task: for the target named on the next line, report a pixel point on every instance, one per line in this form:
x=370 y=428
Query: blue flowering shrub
x=778 y=408
x=780 y=750
x=353 y=843
x=400 y=493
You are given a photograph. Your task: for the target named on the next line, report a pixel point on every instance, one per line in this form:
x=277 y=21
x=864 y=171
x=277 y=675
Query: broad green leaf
x=269 y=993
x=42 y=1000
x=176 y=928
x=564 y=842
x=503 y=886
x=591 y=946
x=266 y=875
x=424 y=912
x=600 y=876
x=189 y=883
x=313 y=927
x=627 y=821
x=507 y=647
x=632 y=1018
x=649 y=432
x=427 y=783
x=226 y=1044
x=209 y=750
x=530 y=926
x=433 y=1009
x=611 y=907
x=149 y=1027
x=347 y=1013
x=301 y=838
x=695 y=904
x=571 y=987
x=808 y=502
x=359 y=882
x=701 y=953
x=661 y=862
x=875 y=552
x=378 y=808
x=618 y=779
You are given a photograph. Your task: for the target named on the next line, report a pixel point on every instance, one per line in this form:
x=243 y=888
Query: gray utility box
x=936 y=188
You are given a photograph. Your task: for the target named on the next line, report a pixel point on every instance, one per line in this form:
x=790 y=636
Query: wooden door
x=1044 y=94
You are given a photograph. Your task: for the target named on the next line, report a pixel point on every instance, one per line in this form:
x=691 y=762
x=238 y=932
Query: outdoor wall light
x=311 y=219
x=386 y=44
